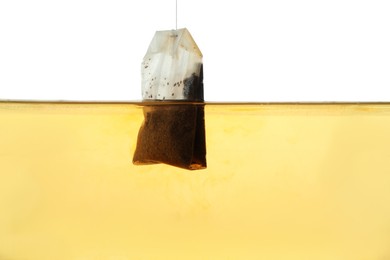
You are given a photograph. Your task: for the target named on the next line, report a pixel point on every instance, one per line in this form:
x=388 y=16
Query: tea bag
x=172 y=132
x=172 y=68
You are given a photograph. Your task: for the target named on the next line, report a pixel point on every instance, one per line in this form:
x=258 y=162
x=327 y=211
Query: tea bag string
x=176 y=15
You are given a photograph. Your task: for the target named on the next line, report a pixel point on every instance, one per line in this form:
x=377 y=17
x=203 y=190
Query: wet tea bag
x=172 y=132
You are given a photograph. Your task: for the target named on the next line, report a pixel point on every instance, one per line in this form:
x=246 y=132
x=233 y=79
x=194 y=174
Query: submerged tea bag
x=172 y=132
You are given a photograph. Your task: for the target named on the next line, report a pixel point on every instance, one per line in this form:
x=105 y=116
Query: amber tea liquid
x=283 y=181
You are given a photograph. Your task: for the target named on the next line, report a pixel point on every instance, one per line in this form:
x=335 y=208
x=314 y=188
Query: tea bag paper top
x=172 y=67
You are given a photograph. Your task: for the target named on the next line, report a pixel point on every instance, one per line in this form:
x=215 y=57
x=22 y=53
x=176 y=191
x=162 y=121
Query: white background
x=279 y=50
